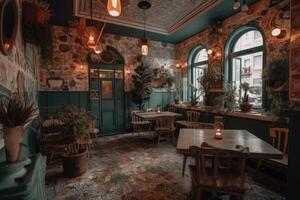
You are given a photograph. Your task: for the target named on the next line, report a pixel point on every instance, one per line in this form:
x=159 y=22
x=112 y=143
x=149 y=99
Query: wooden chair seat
x=284 y=161
x=164 y=125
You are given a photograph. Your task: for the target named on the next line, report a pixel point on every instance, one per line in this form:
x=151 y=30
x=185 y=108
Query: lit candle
x=218 y=134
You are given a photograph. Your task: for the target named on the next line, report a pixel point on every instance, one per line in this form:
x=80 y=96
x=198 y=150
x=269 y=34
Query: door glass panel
x=94 y=73
x=106 y=74
x=107 y=89
x=119 y=74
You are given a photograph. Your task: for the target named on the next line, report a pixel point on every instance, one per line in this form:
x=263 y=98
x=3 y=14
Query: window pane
x=248 y=40
x=197 y=73
x=106 y=89
x=248 y=68
x=201 y=56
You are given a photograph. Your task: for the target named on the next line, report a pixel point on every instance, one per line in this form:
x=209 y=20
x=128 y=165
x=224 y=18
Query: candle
x=218 y=134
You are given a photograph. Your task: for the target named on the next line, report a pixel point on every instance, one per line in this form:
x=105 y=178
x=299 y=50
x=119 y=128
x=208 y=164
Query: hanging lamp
x=99 y=48
x=144 y=5
x=91 y=40
x=114 y=7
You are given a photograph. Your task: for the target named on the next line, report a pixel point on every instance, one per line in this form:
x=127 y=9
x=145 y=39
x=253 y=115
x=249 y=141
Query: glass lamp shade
x=114 y=7
x=236 y=5
x=98 y=49
x=144 y=49
x=91 y=42
x=276 y=32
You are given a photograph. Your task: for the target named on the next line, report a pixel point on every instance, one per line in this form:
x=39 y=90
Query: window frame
x=191 y=64
x=229 y=54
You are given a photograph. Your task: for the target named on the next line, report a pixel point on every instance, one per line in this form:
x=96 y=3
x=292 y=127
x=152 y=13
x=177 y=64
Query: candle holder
x=218 y=126
x=158 y=109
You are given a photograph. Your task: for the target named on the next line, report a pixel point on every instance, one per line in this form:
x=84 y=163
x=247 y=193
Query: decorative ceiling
x=164 y=17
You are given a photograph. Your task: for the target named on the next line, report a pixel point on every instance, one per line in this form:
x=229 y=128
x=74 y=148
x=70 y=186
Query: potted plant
x=245 y=105
x=142 y=79
x=16 y=111
x=36 y=11
x=229 y=97
x=194 y=95
x=178 y=89
x=74 y=129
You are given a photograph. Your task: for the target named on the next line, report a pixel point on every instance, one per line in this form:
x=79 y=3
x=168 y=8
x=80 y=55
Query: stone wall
x=295 y=52
x=18 y=68
x=69 y=53
x=259 y=13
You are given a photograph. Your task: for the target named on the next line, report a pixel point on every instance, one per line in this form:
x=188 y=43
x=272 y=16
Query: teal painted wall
x=53 y=102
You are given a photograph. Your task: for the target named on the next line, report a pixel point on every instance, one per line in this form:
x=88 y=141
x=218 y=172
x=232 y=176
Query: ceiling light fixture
x=99 y=48
x=91 y=41
x=236 y=5
x=114 y=7
x=144 y=5
x=245 y=7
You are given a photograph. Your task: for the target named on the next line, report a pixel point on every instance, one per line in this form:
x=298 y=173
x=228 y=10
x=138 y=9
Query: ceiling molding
x=138 y=24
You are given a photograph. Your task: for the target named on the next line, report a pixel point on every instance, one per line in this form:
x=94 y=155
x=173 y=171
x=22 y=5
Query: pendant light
x=99 y=48
x=91 y=41
x=144 y=5
x=245 y=7
x=236 y=5
x=114 y=7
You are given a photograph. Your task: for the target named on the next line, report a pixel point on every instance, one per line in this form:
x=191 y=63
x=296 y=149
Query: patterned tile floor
x=127 y=167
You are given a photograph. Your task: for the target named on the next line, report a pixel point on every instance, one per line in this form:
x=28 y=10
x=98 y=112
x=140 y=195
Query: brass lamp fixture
x=144 y=5
x=114 y=7
x=91 y=43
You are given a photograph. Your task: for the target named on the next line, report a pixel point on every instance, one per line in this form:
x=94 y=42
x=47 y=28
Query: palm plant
x=142 y=85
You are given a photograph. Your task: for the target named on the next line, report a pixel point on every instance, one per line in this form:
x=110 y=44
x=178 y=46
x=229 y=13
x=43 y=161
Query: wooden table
x=231 y=138
x=188 y=124
x=153 y=115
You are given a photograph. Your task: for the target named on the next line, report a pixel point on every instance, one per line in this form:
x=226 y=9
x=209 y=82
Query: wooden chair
x=139 y=125
x=195 y=125
x=164 y=125
x=217 y=170
x=85 y=143
x=280 y=141
x=193 y=116
x=172 y=109
x=93 y=131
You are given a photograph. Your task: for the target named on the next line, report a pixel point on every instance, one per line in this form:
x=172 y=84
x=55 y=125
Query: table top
x=230 y=139
x=153 y=115
x=186 y=123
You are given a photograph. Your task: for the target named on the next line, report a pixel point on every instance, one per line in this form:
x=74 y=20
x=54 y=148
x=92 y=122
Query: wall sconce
x=91 y=42
x=178 y=66
x=277 y=32
x=245 y=7
x=236 y=5
x=210 y=52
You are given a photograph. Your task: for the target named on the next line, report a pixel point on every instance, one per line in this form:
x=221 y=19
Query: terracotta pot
x=245 y=107
x=194 y=103
x=75 y=165
x=13 y=137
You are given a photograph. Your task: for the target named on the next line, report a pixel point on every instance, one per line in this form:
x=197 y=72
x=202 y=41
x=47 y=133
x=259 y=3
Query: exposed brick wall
x=259 y=13
x=69 y=51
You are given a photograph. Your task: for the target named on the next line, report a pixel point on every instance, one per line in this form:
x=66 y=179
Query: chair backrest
x=165 y=122
x=201 y=125
x=280 y=138
x=193 y=116
x=212 y=164
x=135 y=117
x=149 y=110
x=172 y=109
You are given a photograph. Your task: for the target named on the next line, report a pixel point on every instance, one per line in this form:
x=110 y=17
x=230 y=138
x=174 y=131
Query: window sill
x=250 y=115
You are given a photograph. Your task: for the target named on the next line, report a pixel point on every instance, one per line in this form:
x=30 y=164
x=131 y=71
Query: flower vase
x=13 y=137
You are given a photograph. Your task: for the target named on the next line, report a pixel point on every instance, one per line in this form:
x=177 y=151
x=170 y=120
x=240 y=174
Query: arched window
x=244 y=53
x=198 y=61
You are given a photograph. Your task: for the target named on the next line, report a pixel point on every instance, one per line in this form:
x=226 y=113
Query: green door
x=107 y=98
